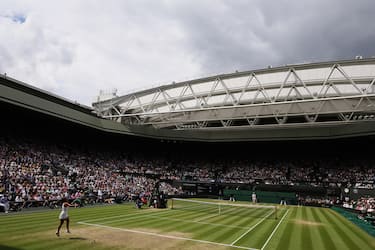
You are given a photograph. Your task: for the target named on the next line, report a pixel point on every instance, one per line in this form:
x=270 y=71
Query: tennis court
x=219 y=224
x=209 y=224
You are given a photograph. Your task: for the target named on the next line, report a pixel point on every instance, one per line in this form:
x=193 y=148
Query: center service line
x=251 y=228
x=269 y=238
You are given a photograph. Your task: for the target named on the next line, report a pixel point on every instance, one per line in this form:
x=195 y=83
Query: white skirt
x=63 y=216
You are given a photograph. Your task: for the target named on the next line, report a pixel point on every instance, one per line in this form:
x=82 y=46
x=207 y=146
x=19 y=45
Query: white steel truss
x=300 y=94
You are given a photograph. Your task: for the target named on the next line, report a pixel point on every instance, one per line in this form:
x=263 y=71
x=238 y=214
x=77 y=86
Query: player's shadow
x=74 y=238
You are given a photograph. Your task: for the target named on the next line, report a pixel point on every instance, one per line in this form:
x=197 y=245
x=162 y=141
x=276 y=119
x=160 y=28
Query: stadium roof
x=306 y=101
x=314 y=94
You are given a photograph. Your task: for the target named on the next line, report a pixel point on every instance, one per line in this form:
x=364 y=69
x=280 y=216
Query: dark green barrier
x=262 y=196
x=353 y=217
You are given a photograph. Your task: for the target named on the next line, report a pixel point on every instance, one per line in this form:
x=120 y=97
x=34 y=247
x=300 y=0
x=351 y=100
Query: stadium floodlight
x=221 y=208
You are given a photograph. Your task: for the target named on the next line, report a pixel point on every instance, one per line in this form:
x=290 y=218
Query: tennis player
x=254 y=197
x=64 y=216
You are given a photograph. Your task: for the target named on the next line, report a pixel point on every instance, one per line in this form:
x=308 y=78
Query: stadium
x=275 y=158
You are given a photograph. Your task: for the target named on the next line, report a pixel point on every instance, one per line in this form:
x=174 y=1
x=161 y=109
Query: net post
x=172 y=203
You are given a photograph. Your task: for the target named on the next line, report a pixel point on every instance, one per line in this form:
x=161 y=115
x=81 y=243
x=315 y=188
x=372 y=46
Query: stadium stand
x=35 y=173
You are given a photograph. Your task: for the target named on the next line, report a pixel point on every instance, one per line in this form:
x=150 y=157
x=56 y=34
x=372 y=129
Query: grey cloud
x=78 y=48
x=247 y=34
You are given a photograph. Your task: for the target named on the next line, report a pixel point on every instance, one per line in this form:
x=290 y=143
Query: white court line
x=251 y=228
x=269 y=238
x=165 y=236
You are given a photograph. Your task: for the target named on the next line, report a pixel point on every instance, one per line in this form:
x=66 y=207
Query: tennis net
x=224 y=208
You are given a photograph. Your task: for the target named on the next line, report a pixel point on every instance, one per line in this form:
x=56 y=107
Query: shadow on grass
x=74 y=238
x=2 y=247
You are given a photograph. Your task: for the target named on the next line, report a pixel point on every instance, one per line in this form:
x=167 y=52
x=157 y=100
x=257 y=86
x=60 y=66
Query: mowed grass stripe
x=315 y=230
x=190 y=221
x=185 y=227
x=256 y=213
x=251 y=229
x=46 y=215
x=39 y=218
x=158 y=224
x=343 y=234
x=40 y=239
x=296 y=243
x=124 y=219
x=225 y=235
x=190 y=215
x=129 y=222
x=11 y=219
x=266 y=232
x=358 y=234
x=207 y=233
x=220 y=219
x=331 y=230
x=258 y=236
x=210 y=233
x=190 y=226
x=150 y=220
x=200 y=231
x=325 y=237
x=306 y=234
x=282 y=240
x=240 y=220
x=229 y=235
x=201 y=209
x=30 y=224
x=56 y=243
x=130 y=215
x=232 y=220
x=128 y=212
x=186 y=219
x=48 y=219
x=177 y=215
x=99 y=215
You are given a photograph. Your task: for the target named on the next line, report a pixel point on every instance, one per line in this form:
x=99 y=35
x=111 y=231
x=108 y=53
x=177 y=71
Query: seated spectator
x=4 y=203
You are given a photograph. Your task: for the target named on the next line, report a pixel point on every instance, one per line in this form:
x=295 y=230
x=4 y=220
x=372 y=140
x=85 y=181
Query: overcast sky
x=74 y=48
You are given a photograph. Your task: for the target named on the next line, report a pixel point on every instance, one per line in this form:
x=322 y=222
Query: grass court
x=187 y=226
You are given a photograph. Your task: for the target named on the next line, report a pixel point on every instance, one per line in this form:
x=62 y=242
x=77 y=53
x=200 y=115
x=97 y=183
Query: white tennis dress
x=64 y=213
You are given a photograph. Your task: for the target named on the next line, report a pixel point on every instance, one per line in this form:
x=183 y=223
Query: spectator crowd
x=38 y=173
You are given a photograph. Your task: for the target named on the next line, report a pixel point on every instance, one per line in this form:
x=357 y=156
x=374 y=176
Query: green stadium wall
x=262 y=196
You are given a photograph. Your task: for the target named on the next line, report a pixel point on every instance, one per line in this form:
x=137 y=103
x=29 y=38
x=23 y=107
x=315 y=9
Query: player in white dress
x=64 y=216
